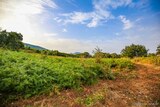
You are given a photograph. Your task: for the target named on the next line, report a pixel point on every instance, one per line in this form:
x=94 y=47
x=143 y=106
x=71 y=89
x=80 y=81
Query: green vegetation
x=93 y=98
x=11 y=40
x=24 y=75
x=134 y=51
x=155 y=60
x=158 y=50
x=26 y=71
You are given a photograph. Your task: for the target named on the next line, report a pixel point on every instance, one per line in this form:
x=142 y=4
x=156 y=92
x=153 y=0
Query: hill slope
x=34 y=46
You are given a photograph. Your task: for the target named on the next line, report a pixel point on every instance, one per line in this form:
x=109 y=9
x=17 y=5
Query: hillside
x=34 y=46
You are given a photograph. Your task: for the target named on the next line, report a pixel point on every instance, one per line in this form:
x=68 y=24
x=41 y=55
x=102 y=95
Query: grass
x=155 y=60
x=28 y=74
x=93 y=98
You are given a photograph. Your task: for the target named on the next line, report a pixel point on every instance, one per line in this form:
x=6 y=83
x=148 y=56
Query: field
x=29 y=79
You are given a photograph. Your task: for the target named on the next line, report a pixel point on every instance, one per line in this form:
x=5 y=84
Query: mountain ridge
x=34 y=46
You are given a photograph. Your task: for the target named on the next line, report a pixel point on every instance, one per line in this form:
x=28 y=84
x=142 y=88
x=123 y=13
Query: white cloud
x=100 y=14
x=76 y=17
x=144 y=37
x=26 y=7
x=72 y=2
x=25 y=16
x=93 y=23
x=140 y=4
x=127 y=23
x=64 y=30
x=57 y=19
x=138 y=19
x=117 y=34
x=101 y=4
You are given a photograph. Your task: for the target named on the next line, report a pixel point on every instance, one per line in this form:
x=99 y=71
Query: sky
x=81 y=25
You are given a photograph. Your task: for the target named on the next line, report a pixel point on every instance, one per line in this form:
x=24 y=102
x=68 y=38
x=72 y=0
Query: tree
x=134 y=51
x=115 y=55
x=98 y=54
x=3 y=38
x=158 y=50
x=151 y=54
x=11 y=40
x=107 y=55
x=14 y=40
x=85 y=55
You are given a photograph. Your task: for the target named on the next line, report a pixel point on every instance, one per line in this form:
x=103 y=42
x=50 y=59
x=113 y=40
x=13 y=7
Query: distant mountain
x=34 y=46
x=77 y=53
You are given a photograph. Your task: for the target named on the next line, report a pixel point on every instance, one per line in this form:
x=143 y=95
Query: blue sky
x=81 y=25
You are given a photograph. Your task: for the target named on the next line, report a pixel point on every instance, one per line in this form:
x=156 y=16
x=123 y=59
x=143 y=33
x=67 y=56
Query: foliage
x=114 y=55
x=24 y=74
x=98 y=54
x=11 y=40
x=155 y=60
x=151 y=54
x=158 y=50
x=134 y=51
x=93 y=98
x=57 y=53
x=83 y=55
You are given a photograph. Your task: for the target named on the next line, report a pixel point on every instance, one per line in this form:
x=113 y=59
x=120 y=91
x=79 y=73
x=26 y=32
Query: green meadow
x=28 y=74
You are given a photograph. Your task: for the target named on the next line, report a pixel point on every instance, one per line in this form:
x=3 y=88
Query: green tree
x=158 y=50
x=107 y=55
x=98 y=54
x=3 y=38
x=55 y=53
x=11 y=40
x=84 y=55
x=115 y=55
x=151 y=54
x=134 y=51
x=14 y=40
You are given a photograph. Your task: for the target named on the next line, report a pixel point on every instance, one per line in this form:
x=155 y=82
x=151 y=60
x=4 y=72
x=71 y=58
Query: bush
x=24 y=74
x=134 y=51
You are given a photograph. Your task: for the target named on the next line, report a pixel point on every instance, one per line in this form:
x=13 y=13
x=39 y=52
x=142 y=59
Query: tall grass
x=155 y=60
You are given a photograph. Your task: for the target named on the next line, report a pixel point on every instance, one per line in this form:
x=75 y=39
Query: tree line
x=13 y=41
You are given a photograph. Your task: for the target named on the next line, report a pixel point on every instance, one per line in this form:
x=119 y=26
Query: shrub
x=25 y=74
x=134 y=51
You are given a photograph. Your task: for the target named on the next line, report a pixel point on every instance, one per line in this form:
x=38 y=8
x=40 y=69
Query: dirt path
x=139 y=88
x=140 y=91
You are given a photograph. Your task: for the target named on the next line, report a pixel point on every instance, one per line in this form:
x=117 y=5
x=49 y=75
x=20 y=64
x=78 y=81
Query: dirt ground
x=138 y=88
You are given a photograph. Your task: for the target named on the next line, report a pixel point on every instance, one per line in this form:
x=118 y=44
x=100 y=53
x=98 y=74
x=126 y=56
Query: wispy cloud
x=57 y=19
x=26 y=6
x=138 y=19
x=70 y=45
x=72 y=2
x=25 y=16
x=100 y=14
x=64 y=30
x=140 y=4
x=126 y=23
x=76 y=17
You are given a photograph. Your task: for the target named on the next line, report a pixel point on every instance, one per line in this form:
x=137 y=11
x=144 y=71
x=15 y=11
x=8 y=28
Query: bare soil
x=138 y=88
